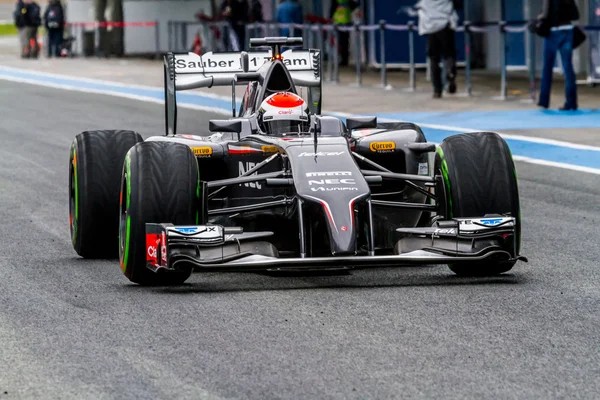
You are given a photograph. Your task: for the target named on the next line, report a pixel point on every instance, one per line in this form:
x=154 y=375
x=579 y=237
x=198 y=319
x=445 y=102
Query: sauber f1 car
x=282 y=187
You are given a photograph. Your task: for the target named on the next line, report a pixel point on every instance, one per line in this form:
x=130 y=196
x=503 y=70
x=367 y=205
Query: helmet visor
x=284 y=126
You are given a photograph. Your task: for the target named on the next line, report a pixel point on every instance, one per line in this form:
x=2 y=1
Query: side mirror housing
x=361 y=123
x=225 y=125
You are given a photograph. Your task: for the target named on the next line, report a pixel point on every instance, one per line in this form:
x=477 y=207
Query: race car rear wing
x=186 y=71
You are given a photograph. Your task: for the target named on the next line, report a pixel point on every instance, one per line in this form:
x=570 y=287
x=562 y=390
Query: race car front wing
x=212 y=248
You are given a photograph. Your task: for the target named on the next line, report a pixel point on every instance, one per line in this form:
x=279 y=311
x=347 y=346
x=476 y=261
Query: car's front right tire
x=159 y=185
x=479 y=179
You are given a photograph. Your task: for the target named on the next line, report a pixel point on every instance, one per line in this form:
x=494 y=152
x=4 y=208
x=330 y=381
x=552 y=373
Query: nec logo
x=333 y=182
x=321 y=153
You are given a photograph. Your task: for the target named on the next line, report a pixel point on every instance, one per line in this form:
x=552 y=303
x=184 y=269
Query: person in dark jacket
x=28 y=19
x=54 y=21
x=237 y=13
x=558 y=15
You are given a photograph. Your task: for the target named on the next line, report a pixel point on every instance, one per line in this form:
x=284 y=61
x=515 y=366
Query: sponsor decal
x=202 y=152
x=163 y=249
x=334 y=189
x=332 y=173
x=193 y=229
x=321 y=154
x=329 y=185
x=152 y=243
x=491 y=222
x=285 y=112
x=231 y=62
x=450 y=231
x=423 y=169
x=382 y=147
x=247 y=166
x=242 y=149
x=269 y=149
x=332 y=182
x=207 y=63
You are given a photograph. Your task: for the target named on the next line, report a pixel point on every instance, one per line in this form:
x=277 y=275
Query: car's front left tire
x=160 y=184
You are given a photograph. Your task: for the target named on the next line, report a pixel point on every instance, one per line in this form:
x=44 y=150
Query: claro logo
x=285 y=112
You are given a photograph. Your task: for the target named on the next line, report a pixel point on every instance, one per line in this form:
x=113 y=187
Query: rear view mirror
x=224 y=125
x=361 y=122
x=245 y=62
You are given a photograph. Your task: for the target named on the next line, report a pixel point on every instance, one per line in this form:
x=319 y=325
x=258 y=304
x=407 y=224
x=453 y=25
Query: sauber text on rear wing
x=185 y=71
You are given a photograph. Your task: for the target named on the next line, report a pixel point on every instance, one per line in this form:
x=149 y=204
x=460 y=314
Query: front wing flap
x=218 y=248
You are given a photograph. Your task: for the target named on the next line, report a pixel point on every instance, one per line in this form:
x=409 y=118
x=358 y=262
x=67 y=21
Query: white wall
x=143 y=39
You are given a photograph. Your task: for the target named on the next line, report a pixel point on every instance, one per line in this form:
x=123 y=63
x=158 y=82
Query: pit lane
x=73 y=328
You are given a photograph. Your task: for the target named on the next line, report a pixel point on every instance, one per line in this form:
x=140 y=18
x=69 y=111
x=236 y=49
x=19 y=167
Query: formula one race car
x=282 y=187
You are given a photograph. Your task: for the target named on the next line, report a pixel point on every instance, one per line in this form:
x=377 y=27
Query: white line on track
x=223 y=111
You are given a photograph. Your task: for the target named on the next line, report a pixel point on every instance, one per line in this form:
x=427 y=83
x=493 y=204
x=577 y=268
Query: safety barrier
x=147 y=43
x=326 y=38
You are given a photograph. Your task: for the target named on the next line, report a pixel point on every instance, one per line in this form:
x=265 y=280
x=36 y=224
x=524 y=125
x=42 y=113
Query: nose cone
x=340 y=223
x=331 y=178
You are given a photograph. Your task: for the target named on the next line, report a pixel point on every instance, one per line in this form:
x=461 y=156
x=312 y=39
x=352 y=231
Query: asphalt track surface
x=71 y=328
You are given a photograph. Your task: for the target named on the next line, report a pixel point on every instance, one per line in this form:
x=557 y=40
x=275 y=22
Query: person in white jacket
x=438 y=21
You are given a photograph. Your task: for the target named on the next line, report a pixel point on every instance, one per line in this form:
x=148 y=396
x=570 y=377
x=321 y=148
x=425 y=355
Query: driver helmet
x=282 y=113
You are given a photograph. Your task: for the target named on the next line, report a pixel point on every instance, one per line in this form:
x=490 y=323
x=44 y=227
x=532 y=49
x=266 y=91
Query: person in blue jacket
x=289 y=12
x=54 y=21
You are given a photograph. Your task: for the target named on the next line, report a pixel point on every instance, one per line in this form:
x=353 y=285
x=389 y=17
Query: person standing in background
x=54 y=22
x=438 y=21
x=289 y=12
x=237 y=13
x=557 y=15
x=341 y=14
x=28 y=19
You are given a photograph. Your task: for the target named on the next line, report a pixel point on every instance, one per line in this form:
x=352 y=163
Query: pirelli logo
x=382 y=147
x=204 y=151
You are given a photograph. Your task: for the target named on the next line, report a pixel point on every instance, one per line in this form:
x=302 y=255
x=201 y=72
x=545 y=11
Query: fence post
x=411 y=56
x=468 y=56
x=532 y=66
x=330 y=50
x=336 y=54
x=357 y=55
x=157 y=39
x=503 y=50
x=247 y=36
x=384 y=81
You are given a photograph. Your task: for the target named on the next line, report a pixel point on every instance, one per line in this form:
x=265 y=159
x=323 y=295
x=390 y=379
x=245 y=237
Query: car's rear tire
x=479 y=178
x=160 y=185
x=95 y=165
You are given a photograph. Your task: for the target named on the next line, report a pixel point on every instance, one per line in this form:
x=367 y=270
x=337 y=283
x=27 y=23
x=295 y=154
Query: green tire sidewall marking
x=444 y=166
x=76 y=184
x=127 y=204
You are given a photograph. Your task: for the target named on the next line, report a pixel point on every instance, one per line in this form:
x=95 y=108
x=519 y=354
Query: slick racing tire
x=159 y=184
x=95 y=165
x=479 y=178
